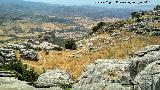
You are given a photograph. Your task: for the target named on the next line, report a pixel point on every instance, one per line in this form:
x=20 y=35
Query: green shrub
x=98 y=26
x=22 y=73
x=58 y=48
x=66 y=86
x=157 y=7
x=70 y=44
x=135 y=15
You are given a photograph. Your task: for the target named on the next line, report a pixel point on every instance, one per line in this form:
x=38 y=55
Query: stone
x=142 y=58
x=149 y=77
x=16 y=46
x=29 y=54
x=102 y=71
x=146 y=50
x=11 y=83
x=48 y=46
x=54 y=78
x=101 y=86
x=6 y=56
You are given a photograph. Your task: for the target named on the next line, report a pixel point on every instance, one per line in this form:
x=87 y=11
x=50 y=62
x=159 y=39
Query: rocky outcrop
x=54 y=78
x=29 y=54
x=48 y=46
x=140 y=71
x=142 y=58
x=16 y=46
x=145 y=25
x=101 y=86
x=149 y=77
x=6 y=56
x=146 y=50
x=101 y=74
x=11 y=83
x=125 y=74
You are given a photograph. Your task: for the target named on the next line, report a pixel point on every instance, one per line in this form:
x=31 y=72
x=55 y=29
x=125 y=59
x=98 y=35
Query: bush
x=70 y=44
x=157 y=7
x=98 y=26
x=66 y=86
x=58 y=49
x=21 y=70
x=136 y=15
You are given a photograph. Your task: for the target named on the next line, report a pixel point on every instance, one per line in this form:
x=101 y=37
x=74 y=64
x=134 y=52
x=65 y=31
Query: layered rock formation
x=131 y=73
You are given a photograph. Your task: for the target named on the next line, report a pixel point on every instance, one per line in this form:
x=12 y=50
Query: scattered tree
x=70 y=44
x=157 y=7
x=135 y=15
x=98 y=26
x=22 y=73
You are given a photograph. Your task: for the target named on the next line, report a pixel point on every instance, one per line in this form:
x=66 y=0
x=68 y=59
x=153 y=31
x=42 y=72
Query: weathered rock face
x=131 y=71
x=146 y=50
x=101 y=74
x=54 y=78
x=142 y=25
x=29 y=54
x=101 y=86
x=142 y=58
x=10 y=83
x=148 y=78
x=23 y=46
x=6 y=55
x=16 y=46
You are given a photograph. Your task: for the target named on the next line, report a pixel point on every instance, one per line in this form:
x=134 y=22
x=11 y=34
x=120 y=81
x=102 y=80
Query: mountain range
x=20 y=6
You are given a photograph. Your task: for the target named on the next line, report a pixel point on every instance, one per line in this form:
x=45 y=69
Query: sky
x=95 y=2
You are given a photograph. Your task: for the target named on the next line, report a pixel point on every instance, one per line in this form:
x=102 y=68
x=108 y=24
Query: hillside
x=54 y=47
x=19 y=6
x=117 y=44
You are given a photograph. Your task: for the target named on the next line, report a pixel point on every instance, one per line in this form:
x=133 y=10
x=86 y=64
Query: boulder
x=146 y=50
x=99 y=74
x=142 y=58
x=101 y=86
x=16 y=46
x=148 y=78
x=54 y=78
x=48 y=46
x=11 y=83
x=6 y=56
x=29 y=54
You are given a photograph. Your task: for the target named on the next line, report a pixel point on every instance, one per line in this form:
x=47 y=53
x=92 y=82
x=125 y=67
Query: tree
x=135 y=15
x=70 y=44
x=98 y=26
x=157 y=7
x=21 y=71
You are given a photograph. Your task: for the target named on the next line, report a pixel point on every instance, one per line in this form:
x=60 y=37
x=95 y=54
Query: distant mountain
x=20 y=6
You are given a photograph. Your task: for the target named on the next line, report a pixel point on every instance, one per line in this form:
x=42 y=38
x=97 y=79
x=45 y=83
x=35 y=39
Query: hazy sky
x=92 y=2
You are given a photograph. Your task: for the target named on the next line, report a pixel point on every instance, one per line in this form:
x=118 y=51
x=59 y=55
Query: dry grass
x=63 y=59
x=4 y=38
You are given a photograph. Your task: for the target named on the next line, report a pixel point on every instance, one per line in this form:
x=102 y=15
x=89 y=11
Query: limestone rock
x=28 y=54
x=11 y=83
x=142 y=58
x=6 y=55
x=149 y=77
x=54 y=78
